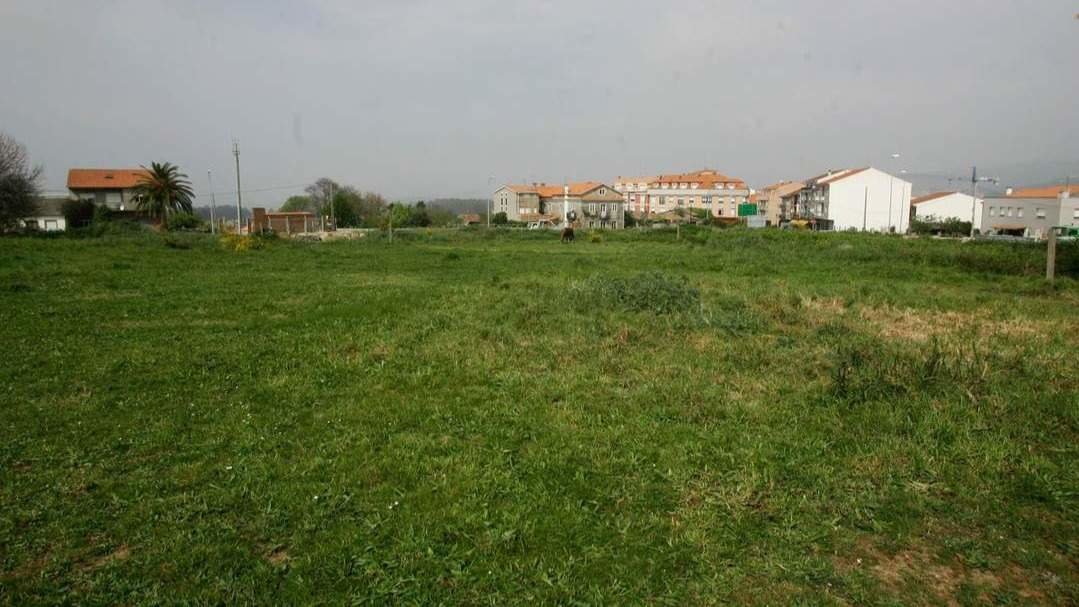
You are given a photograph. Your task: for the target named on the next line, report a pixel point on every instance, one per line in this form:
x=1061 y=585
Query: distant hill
x=223 y=212
x=460 y=205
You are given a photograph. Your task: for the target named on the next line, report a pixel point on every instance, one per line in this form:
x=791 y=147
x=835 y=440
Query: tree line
x=354 y=208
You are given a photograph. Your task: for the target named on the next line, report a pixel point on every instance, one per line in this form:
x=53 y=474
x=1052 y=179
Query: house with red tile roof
x=1031 y=212
x=113 y=188
x=586 y=204
x=866 y=199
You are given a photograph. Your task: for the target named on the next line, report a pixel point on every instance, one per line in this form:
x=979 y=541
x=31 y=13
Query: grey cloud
x=424 y=99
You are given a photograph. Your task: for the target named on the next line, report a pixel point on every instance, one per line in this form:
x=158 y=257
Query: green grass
x=490 y=418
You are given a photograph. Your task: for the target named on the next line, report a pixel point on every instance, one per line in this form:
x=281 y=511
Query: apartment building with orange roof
x=586 y=204
x=1031 y=212
x=706 y=189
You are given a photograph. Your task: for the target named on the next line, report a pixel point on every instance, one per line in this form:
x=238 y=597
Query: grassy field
x=737 y=417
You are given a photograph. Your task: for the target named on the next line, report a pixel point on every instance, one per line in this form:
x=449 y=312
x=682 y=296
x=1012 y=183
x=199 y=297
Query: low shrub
x=246 y=242
x=595 y=237
x=653 y=292
x=184 y=222
x=78 y=213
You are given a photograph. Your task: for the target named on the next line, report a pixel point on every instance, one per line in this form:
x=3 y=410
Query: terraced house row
x=673 y=195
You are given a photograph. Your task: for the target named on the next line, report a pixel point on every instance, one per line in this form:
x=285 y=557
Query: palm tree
x=164 y=190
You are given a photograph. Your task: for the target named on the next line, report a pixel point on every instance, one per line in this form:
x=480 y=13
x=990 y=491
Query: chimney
x=1008 y=192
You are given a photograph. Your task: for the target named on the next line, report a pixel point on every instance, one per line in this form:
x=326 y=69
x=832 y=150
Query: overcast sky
x=425 y=99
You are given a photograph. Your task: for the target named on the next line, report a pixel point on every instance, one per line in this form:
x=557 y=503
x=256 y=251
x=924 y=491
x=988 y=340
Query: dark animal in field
x=567 y=234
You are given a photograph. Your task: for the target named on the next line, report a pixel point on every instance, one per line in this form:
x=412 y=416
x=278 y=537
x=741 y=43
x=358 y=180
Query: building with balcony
x=706 y=189
x=864 y=199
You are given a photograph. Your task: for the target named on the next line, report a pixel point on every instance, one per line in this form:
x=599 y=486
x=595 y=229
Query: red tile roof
x=929 y=197
x=705 y=179
x=104 y=179
x=838 y=175
x=553 y=191
x=1046 y=192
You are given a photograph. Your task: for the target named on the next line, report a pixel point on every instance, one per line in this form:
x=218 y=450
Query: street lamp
x=891 y=195
x=213 y=201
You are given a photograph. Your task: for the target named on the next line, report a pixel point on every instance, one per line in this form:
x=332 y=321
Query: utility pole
x=974 y=181
x=213 y=202
x=490 y=199
x=333 y=216
x=891 y=193
x=239 y=194
x=1051 y=255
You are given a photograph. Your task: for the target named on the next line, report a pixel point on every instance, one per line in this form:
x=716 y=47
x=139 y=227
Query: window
x=602 y=191
x=1075 y=213
x=992 y=211
x=1019 y=212
x=1009 y=209
x=113 y=198
x=50 y=224
x=1040 y=213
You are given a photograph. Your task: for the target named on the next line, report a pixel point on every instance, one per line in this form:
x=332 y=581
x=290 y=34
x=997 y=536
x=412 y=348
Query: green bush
x=78 y=213
x=943 y=227
x=653 y=292
x=102 y=214
x=184 y=222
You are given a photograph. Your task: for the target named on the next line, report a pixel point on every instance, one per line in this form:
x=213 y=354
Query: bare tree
x=18 y=183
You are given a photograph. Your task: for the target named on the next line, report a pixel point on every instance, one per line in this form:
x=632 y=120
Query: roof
x=104 y=179
x=834 y=176
x=553 y=191
x=705 y=178
x=1052 y=191
x=48 y=207
x=290 y=214
x=931 y=197
x=783 y=188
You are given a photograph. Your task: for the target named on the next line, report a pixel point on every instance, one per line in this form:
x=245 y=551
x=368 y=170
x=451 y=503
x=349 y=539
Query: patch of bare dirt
x=278 y=557
x=917 y=566
x=27 y=569
x=121 y=553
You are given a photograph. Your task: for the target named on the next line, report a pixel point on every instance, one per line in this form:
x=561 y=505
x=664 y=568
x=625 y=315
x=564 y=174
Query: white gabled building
x=949 y=205
x=853 y=199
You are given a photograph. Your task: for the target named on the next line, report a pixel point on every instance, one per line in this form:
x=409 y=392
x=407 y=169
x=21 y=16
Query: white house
x=48 y=215
x=949 y=205
x=854 y=199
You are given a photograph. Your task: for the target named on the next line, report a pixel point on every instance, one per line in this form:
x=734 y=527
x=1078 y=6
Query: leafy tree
x=18 y=183
x=164 y=190
x=370 y=207
x=298 y=203
x=629 y=220
x=319 y=194
x=344 y=209
x=499 y=219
